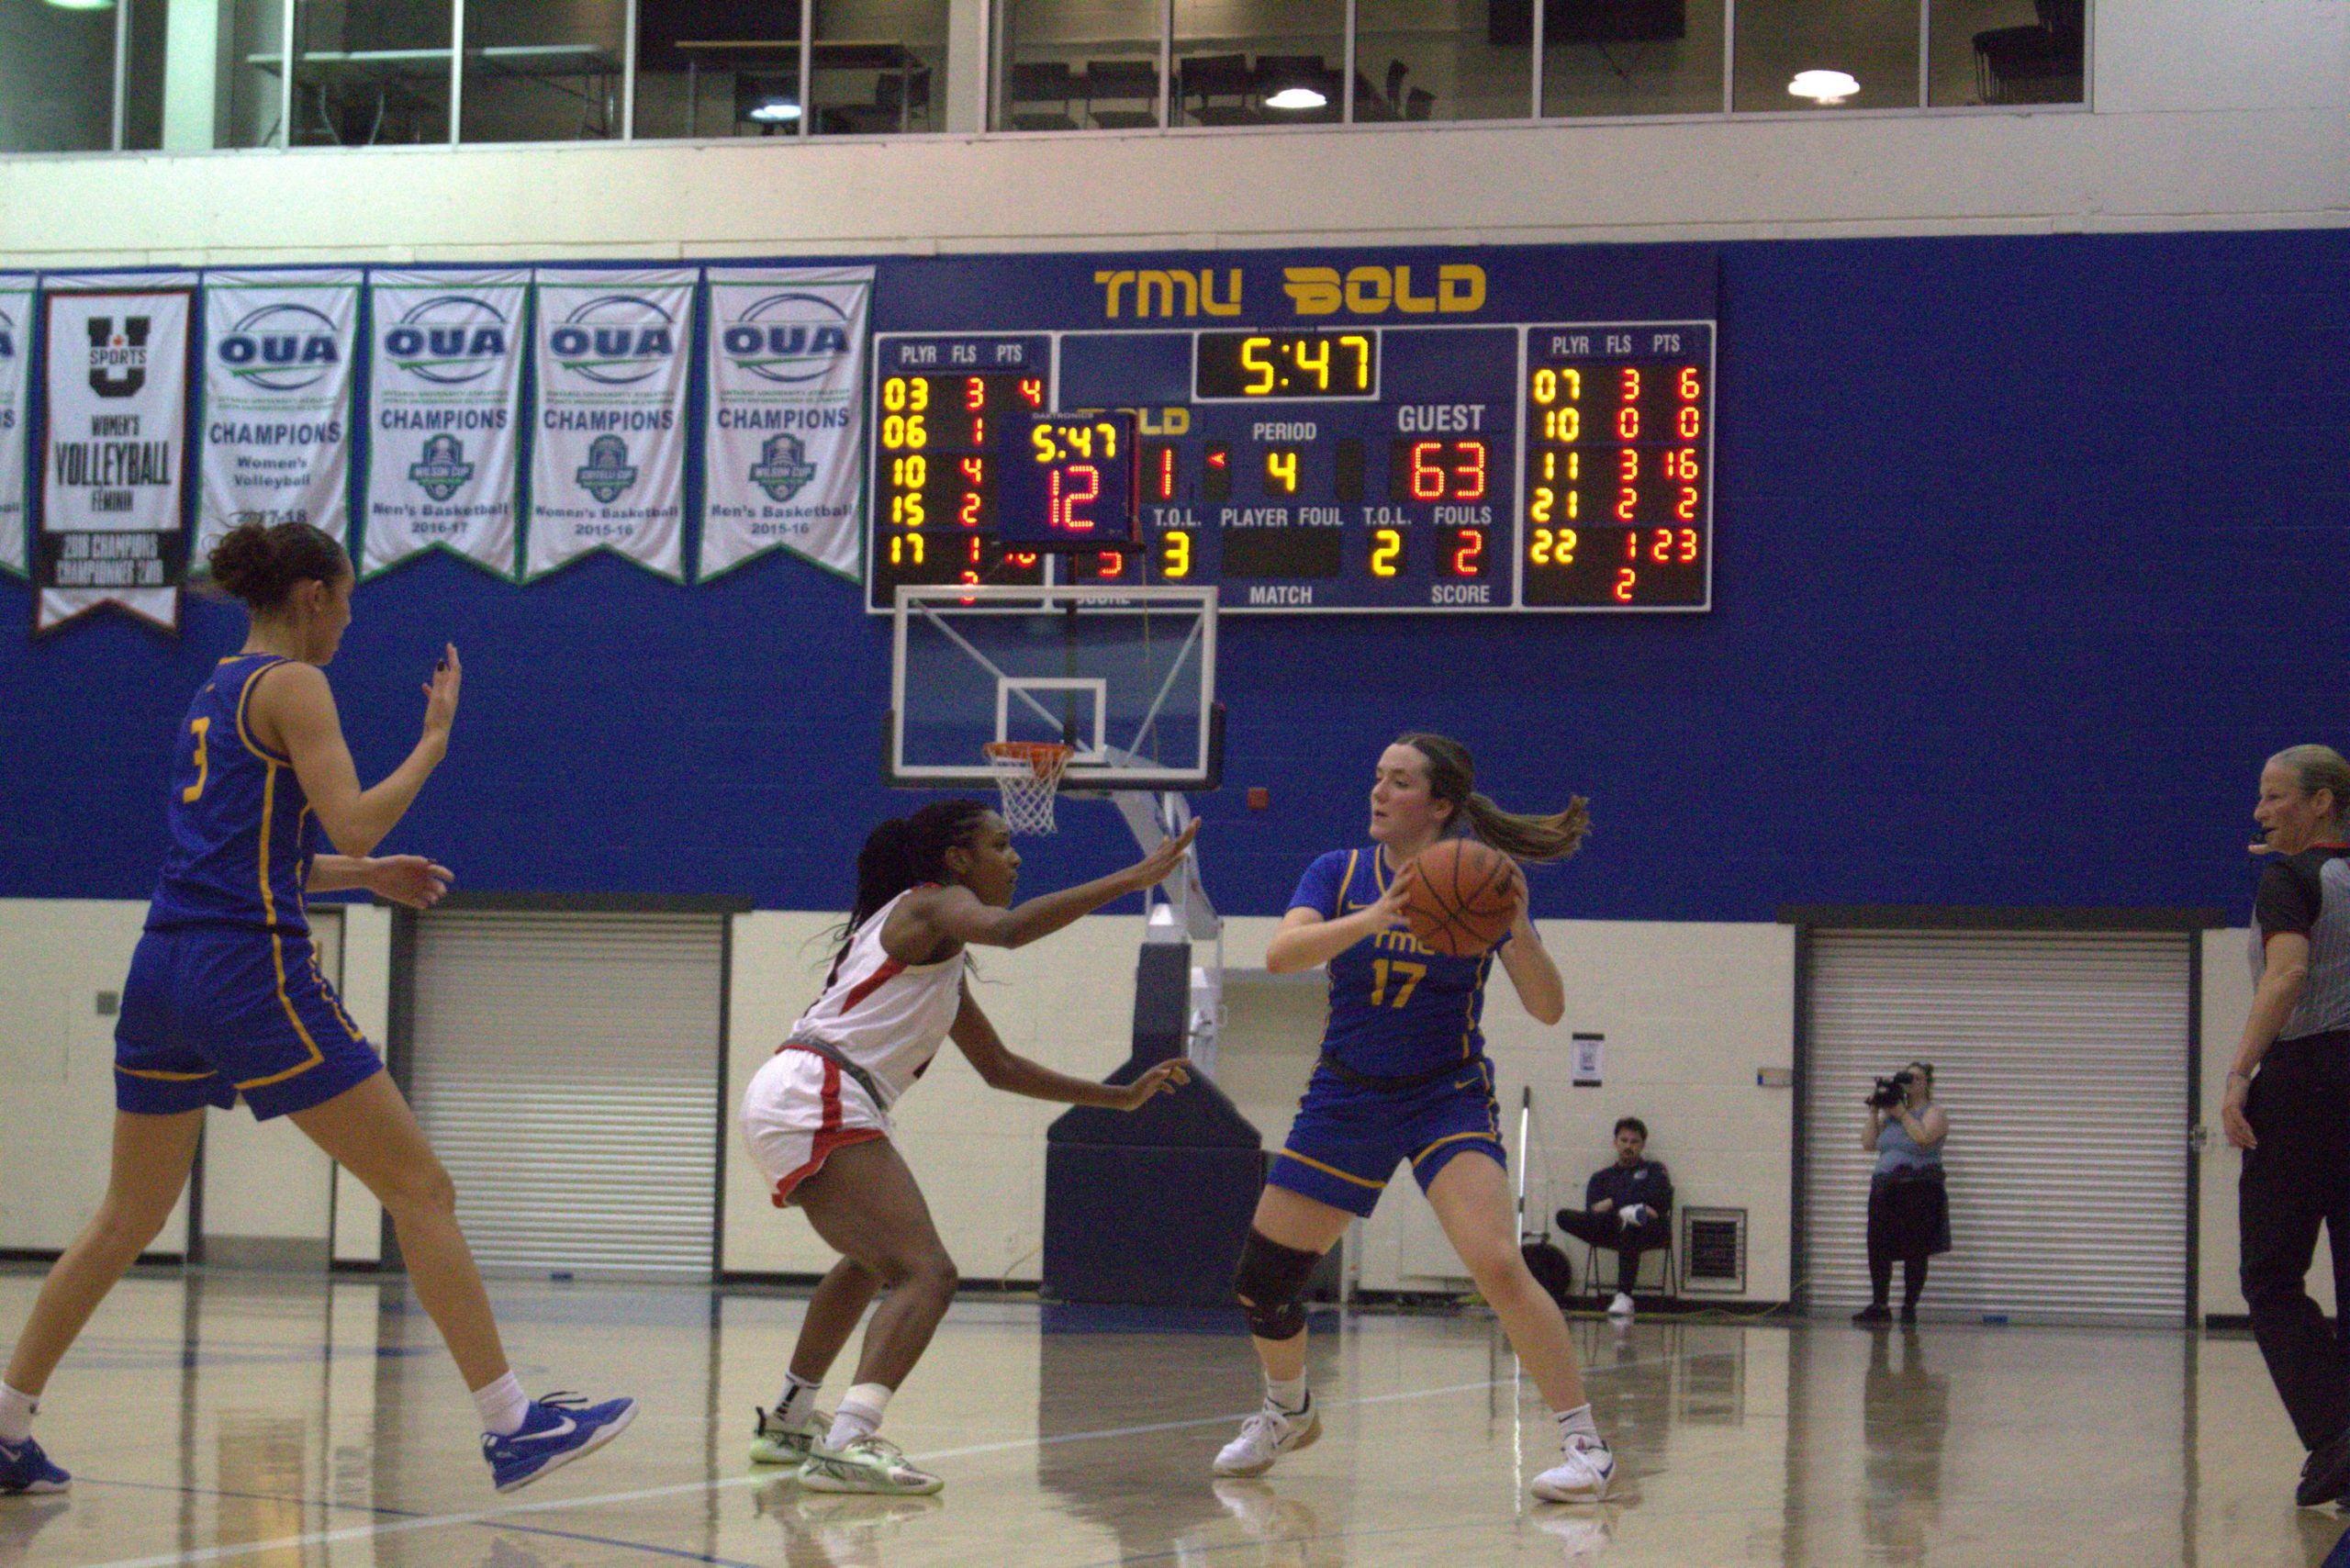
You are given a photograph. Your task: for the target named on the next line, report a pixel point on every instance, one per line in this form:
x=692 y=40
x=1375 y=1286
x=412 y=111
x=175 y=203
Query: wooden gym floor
x=268 y=1421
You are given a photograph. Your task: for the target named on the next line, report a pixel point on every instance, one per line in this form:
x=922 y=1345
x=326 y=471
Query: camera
x=1892 y=1091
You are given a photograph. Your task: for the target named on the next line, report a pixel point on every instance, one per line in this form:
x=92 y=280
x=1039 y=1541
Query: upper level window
x=89 y=75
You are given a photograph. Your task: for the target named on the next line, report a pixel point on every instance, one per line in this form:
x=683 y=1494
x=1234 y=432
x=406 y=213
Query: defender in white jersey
x=817 y=1116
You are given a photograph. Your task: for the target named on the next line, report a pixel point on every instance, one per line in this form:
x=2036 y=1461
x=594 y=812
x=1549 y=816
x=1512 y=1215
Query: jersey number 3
x=195 y=791
x=1381 y=971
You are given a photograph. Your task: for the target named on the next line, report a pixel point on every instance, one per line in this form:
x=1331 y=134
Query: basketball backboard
x=1125 y=675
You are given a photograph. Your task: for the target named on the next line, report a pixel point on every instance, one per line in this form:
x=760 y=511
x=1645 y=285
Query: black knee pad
x=1271 y=1279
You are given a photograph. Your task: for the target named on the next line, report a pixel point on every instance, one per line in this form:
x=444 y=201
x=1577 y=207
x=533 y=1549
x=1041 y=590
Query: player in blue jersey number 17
x=1404 y=1078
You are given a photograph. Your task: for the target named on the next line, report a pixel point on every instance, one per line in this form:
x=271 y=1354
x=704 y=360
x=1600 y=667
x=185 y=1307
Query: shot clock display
x=1425 y=467
x=1071 y=485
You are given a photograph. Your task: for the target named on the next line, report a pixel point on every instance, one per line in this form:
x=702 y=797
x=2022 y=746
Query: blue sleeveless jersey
x=1396 y=1007
x=241 y=832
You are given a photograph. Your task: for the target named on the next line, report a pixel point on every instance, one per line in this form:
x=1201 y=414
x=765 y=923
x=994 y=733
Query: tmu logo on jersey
x=282 y=347
x=787 y=338
x=615 y=339
x=118 y=358
x=449 y=340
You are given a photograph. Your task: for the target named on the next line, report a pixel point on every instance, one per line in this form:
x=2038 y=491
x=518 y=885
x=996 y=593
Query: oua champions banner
x=114 y=463
x=276 y=427
x=445 y=407
x=16 y=413
x=611 y=351
x=782 y=464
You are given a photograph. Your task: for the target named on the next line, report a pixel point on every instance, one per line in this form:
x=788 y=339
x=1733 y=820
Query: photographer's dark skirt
x=1908 y=1213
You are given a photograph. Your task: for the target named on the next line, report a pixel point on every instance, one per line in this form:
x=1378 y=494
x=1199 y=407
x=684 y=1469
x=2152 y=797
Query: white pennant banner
x=16 y=413
x=611 y=351
x=113 y=461
x=782 y=462
x=276 y=426
x=445 y=411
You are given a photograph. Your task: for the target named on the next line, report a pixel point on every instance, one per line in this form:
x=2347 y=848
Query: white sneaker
x=1264 y=1437
x=1583 y=1476
x=1622 y=1307
x=868 y=1464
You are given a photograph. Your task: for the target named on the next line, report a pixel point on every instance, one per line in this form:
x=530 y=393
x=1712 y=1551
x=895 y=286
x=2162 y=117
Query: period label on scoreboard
x=1375 y=446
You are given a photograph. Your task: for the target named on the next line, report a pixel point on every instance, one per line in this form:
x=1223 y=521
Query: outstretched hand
x=1159 y=864
x=441 y=693
x=1164 y=1079
x=412 y=880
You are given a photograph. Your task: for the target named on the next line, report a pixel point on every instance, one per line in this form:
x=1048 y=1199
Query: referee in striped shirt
x=2292 y=1119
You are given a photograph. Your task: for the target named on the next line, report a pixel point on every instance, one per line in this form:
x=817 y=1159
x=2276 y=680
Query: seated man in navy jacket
x=1626 y=1206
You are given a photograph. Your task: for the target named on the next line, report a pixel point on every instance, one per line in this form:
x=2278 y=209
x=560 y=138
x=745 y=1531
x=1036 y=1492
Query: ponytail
x=1452 y=777
x=262 y=565
x=906 y=852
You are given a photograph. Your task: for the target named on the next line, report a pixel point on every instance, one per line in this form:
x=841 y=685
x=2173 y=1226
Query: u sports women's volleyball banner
x=444 y=402
x=278 y=349
x=782 y=466
x=610 y=351
x=113 y=459
x=16 y=413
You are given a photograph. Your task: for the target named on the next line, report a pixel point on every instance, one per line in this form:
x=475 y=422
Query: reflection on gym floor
x=277 y=1420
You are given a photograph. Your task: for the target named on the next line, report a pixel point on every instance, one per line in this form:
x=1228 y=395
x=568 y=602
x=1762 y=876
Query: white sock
x=1287 y=1396
x=15 y=1415
x=1577 y=1422
x=503 y=1407
x=860 y=1415
x=798 y=1401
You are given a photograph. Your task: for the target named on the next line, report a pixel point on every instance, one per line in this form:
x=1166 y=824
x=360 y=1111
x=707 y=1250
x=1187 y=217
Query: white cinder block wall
x=1690 y=1012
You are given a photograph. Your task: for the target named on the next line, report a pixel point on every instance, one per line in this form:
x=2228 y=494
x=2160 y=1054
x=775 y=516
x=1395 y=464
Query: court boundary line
x=492 y=1515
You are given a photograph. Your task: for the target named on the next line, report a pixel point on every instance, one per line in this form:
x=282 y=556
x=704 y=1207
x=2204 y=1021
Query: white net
x=1028 y=776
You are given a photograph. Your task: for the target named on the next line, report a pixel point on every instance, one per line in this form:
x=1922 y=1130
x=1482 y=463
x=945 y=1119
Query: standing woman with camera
x=1909 y=1209
x=2289 y=1120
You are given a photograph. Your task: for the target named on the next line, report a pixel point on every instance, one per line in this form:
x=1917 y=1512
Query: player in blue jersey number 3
x=225 y=999
x=1404 y=1078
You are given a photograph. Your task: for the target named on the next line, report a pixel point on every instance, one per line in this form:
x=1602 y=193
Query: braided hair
x=906 y=852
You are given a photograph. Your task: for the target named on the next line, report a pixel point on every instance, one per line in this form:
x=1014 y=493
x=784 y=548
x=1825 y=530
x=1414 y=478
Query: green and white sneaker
x=872 y=1464
x=772 y=1442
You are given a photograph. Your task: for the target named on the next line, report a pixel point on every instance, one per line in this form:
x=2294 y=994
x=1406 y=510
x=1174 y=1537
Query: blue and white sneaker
x=26 y=1471
x=558 y=1429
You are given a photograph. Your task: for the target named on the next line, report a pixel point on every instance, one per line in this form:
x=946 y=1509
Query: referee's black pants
x=2297 y=1178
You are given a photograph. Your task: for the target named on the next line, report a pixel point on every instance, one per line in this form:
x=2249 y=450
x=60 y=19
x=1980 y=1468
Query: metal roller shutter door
x=2062 y=1059
x=566 y=1067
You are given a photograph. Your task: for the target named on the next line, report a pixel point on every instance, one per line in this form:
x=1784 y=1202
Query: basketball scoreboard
x=1529 y=466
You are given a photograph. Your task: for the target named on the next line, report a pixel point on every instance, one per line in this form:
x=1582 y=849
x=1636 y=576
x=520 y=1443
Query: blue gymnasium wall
x=2030 y=550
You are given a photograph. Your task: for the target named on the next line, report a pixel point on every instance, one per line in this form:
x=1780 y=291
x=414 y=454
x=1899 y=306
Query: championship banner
x=276 y=426
x=445 y=410
x=113 y=463
x=608 y=456
x=781 y=461
x=16 y=382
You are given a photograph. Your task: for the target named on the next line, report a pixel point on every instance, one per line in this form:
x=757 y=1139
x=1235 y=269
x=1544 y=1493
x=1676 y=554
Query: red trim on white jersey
x=891 y=1016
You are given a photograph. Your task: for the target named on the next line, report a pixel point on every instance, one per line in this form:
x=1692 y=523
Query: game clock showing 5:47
x=1529 y=466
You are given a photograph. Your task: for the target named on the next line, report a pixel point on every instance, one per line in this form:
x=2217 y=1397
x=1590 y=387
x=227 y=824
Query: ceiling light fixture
x=776 y=111
x=1298 y=98
x=1824 y=86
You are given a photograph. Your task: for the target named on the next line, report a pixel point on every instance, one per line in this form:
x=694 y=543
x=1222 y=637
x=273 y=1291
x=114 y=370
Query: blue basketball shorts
x=212 y=1013
x=1346 y=1140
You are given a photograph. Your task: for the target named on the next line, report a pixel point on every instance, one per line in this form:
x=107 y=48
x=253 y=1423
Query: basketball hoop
x=1028 y=775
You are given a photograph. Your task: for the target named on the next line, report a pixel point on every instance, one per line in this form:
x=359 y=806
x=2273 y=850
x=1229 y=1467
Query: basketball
x=1463 y=898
